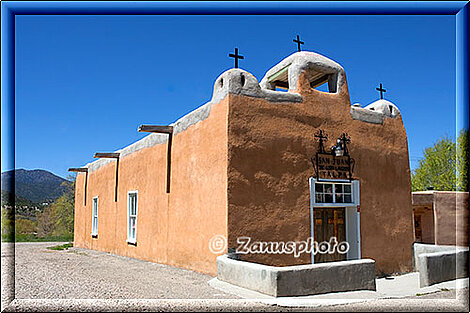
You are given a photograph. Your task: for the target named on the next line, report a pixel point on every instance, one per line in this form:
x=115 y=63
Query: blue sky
x=84 y=83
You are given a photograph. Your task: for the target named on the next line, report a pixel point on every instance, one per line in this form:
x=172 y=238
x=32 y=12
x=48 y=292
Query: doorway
x=329 y=222
x=418 y=230
x=335 y=212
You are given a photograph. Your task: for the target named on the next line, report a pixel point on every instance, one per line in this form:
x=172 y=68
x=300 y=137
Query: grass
x=7 y=238
x=34 y=238
x=61 y=247
x=420 y=294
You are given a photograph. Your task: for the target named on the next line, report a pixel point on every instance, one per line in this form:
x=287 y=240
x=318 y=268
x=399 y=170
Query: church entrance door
x=329 y=222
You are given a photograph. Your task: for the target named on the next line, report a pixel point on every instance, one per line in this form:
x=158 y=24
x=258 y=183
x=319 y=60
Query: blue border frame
x=11 y=8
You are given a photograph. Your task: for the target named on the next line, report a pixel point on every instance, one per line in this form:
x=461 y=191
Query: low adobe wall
x=436 y=267
x=420 y=249
x=299 y=280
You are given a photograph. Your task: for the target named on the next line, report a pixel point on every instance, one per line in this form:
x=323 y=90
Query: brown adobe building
x=441 y=217
x=241 y=166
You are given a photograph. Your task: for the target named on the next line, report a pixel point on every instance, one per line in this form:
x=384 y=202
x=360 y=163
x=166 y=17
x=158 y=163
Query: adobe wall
x=269 y=150
x=243 y=170
x=427 y=219
x=172 y=228
x=451 y=213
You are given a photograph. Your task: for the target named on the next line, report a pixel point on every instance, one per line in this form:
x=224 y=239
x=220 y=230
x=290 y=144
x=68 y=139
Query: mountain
x=35 y=185
x=7 y=200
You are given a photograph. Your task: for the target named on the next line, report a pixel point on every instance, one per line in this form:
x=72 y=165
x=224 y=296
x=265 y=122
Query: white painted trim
x=94 y=233
x=132 y=240
x=331 y=180
x=358 y=223
x=312 y=230
x=358 y=214
x=335 y=205
x=355 y=194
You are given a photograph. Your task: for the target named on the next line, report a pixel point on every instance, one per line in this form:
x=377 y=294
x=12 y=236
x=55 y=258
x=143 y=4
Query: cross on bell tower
x=345 y=139
x=381 y=91
x=299 y=42
x=236 y=56
x=321 y=138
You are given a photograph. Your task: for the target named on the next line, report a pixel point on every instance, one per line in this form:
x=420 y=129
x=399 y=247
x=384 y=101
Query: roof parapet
x=375 y=112
x=318 y=68
x=238 y=81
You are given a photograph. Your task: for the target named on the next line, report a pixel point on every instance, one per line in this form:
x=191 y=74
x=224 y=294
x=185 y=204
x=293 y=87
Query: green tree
x=24 y=226
x=462 y=161
x=63 y=212
x=444 y=166
x=7 y=223
x=57 y=218
x=45 y=222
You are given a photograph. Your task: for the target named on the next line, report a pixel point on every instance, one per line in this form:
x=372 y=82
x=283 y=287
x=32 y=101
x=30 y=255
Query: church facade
x=273 y=161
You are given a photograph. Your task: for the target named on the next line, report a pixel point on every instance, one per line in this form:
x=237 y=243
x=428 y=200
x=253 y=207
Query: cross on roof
x=321 y=137
x=236 y=56
x=299 y=42
x=345 y=139
x=381 y=91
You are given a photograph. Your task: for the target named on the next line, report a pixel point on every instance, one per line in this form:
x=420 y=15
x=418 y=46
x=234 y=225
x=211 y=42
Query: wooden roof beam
x=109 y=155
x=82 y=170
x=78 y=169
x=155 y=129
x=163 y=130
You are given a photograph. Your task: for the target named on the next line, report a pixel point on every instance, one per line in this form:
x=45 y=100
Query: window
x=343 y=193
x=131 y=216
x=279 y=88
x=333 y=193
x=321 y=86
x=94 y=217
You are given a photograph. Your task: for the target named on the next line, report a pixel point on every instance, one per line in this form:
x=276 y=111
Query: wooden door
x=329 y=222
x=418 y=229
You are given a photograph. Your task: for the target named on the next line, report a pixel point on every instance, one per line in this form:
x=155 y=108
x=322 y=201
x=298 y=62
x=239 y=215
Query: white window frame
x=354 y=193
x=94 y=232
x=129 y=239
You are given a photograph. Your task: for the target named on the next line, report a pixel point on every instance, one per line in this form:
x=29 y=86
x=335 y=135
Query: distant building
x=249 y=163
x=441 y=217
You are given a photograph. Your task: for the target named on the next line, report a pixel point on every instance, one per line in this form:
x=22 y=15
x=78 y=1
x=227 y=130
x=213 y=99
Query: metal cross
x=381 y=91
x=236 y=56
x=299 y=42
x=345 y=139
x=321 y=137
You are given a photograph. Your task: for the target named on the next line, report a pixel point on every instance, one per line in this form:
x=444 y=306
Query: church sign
x=336 y=164
x=329 y=166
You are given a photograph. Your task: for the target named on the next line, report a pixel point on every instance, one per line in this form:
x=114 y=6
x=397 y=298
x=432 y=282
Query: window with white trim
x=94 y=218
x=329 y=192
x=132 y=217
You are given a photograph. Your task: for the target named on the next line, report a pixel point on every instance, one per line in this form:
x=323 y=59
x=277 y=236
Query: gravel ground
x=84 y=280
x=76 y=273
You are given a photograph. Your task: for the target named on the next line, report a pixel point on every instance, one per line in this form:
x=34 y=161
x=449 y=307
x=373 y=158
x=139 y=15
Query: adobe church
x=275 y=160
